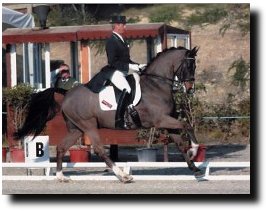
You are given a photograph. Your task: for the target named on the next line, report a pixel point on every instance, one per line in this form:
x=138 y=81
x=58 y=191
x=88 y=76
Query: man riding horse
x=83 y=114
x=120 y=65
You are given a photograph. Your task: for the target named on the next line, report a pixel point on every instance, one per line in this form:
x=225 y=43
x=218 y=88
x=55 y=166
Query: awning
x=85 y=32
x=12 y=18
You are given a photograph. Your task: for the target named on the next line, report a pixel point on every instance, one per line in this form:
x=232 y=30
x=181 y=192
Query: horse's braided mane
x=163 y=52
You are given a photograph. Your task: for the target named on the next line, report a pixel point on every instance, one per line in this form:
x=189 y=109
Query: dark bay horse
x=82 y=112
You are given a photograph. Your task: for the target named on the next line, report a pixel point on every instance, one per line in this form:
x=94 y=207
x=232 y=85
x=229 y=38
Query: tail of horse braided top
x=41 y=109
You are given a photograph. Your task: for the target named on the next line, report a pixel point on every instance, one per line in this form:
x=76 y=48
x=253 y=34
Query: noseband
x=178 y=82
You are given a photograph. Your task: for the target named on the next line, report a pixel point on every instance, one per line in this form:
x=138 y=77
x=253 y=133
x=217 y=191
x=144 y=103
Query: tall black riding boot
x=121 y=108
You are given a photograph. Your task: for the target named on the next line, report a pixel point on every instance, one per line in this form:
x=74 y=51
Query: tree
x=241 y=76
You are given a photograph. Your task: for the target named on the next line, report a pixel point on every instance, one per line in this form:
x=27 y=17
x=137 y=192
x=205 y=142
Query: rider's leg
x=119 y=80
x=121 y=108
x=137 y=81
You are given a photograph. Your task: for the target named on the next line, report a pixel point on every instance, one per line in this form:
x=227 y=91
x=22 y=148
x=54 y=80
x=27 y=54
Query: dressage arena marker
x=127 y=167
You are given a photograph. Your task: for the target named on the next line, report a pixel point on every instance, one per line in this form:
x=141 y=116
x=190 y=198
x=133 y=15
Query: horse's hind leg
x=89 y=127
x=99 y=150
x=69 y=140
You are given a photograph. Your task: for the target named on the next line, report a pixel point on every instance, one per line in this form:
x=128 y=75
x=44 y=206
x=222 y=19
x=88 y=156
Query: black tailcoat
x=118 y=54
x=118 y=59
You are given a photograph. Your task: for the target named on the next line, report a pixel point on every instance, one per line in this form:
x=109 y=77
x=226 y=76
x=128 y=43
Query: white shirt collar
x=119 y=36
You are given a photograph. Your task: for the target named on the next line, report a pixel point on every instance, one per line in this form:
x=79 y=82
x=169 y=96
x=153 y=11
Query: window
x=175 y=40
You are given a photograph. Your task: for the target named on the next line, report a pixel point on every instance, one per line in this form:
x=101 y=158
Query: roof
x=12 y=18
x=85 y=32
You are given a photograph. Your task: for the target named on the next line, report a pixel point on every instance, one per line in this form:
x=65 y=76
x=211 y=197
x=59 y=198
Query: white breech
x=137 y=77
x=119 y=80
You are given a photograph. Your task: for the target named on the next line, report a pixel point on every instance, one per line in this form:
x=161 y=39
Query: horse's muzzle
x=189 y=87
x=190 y=91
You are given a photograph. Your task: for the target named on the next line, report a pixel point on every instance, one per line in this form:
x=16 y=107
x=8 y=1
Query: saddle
x=109 y=96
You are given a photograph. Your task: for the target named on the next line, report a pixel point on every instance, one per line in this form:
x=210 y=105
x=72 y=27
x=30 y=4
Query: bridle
x=177 y=82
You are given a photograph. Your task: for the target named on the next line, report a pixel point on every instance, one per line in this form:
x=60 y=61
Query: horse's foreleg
x=169 y=123
x=192 y=152
x=172 y=123
x=99 y=150
x=179 y=141
x=62 y=148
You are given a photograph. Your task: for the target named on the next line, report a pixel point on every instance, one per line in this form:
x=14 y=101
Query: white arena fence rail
x=127 y=167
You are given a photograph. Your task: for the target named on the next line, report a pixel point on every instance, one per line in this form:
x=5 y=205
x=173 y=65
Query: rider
x=117 y=50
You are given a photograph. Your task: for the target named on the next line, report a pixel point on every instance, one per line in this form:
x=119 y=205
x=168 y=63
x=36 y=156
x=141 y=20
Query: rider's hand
x=134 y=67
x=142 y=66
x=62 y=68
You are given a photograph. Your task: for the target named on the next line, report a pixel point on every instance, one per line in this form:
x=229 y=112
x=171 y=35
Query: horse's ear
x=194 y=51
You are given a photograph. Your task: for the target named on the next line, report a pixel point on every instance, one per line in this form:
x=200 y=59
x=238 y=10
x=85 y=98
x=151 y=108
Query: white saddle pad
x=107 y=98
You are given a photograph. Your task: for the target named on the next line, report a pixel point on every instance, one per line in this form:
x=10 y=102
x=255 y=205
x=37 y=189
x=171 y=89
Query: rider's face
x=120 y=28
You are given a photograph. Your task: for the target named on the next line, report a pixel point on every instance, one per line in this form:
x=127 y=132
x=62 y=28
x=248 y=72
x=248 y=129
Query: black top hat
x=118 y=19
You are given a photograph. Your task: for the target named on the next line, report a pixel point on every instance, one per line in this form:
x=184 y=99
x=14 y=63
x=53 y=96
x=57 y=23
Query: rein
x=159 y=77
x=173 y=81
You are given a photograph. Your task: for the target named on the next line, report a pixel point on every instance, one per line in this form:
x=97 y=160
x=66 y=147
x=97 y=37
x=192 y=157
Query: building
x=30 y=54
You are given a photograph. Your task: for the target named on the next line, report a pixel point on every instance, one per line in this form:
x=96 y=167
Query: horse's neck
x=159 y=72
x=160 y=68
x=157 y=82
x=155 y=93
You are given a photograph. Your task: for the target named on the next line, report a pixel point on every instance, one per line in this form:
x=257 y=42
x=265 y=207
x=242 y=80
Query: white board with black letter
x=36 y=150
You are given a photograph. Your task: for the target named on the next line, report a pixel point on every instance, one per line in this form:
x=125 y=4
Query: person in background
x=64 y=79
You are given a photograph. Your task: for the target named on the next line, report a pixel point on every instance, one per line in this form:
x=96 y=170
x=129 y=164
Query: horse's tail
x=41 y=109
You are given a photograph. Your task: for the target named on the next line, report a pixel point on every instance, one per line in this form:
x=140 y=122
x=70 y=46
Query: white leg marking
x=117 y=171
x=193 y=150
x=122 y=176
x=60 y=176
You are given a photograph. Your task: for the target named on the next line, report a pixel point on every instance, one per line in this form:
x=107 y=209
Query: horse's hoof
x=199 y=175
x=64 y=179
x=127 y=179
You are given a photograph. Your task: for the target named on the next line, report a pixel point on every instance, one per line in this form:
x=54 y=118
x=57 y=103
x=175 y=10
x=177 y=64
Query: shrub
x=241 y=75
x=17 y=98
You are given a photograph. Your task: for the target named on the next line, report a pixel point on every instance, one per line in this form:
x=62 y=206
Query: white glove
x=134 y=67
x=57 y=71
x=142 y=66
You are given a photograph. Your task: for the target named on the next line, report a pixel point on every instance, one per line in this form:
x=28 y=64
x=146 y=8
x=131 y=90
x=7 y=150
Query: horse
x=80 y=108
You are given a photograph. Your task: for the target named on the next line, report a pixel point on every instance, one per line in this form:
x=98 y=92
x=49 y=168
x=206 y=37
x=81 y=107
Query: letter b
x=39 y=149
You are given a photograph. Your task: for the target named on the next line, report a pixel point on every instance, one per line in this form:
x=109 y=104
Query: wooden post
x=13 y=65
x=47 y=65
x=158 y=44
x=9 y=78
x=114 y=152
x=8 y=65
x=150 y=48
x=85 y=75
x=165 y=152
x=164 y=38
x=74 y=60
